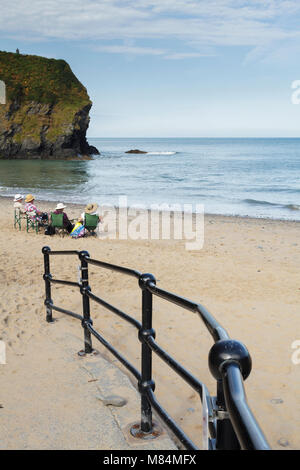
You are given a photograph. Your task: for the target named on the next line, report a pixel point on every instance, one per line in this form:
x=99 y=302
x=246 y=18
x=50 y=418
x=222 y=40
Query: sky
x=171 y=68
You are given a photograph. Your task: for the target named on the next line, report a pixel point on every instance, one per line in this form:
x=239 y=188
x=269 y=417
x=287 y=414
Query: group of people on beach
x=44 y=219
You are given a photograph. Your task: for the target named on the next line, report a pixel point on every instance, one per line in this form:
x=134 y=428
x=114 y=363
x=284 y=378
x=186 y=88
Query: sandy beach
x=246 y=275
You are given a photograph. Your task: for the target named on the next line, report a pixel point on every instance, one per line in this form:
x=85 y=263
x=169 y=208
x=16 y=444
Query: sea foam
x=161 y=153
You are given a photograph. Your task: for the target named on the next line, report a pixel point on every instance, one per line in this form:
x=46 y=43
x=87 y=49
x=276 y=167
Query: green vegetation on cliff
x=34 y=78
x=46 y=114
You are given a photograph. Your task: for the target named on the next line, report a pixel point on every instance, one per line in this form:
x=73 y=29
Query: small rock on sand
x=283 y=442
x=113 y=400
x=276 y=401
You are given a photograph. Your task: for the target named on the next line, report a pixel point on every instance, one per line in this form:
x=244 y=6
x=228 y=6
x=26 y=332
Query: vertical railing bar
x=85 y=301
x=146 y=360
x=222 y=353
x=225 y=435
x=48 y=300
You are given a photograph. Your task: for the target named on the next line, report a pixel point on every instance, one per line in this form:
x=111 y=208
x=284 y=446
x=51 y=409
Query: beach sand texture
x=246 y=275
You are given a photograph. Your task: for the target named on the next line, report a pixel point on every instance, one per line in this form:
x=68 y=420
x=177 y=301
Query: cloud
x=195 y=23
x=187 y=55
x=124 y=49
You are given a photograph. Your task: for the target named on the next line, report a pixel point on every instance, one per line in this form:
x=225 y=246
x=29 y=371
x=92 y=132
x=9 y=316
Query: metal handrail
x=214 y=328
x=238 y=408
x=227 y=417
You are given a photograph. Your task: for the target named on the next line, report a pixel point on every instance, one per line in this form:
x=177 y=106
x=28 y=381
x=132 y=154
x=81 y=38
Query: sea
x=247 y=177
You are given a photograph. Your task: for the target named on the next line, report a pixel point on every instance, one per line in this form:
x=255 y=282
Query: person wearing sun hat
x=33 y=212
x=91 y=209
x=18 y=202
x=31 y=208
x=59 y=209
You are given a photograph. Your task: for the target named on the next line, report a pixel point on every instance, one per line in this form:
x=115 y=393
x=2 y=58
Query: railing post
x=85 y=302
x=47 y=275
x=222 y=352
x=146 y=366
x=226 y=438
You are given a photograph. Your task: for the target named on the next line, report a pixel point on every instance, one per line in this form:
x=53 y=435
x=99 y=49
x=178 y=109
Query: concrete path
x=53 y=399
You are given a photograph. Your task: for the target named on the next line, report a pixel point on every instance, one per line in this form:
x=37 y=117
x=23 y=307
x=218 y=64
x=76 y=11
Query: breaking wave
x=161 y=153
x=294 y=207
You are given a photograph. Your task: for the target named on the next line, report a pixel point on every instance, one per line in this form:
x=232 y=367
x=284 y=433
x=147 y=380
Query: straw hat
x=29 y=198
x=90 y=208
x=18 y=197
x=60 y=205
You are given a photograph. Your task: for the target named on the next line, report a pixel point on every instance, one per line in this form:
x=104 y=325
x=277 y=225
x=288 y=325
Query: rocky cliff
x=46 y=114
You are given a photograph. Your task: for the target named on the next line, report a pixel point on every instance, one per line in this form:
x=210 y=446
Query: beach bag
x=78 y=231
x=49 y=230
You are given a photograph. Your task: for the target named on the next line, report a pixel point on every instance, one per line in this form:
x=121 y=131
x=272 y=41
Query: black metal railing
x=227 y=420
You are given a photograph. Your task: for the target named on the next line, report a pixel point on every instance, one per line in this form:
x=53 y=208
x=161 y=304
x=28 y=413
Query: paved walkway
x=53 y=399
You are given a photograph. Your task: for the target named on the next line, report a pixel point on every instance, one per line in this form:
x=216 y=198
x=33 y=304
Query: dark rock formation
x=135 y=151
x=46 y=114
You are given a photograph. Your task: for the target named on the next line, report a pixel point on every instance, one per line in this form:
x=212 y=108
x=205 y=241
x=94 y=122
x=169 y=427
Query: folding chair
x=91 y=222
x=18 y=216
x=57 y=221
x=31 y=222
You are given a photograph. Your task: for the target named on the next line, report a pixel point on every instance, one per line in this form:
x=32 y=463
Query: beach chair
x=18 y=216
x=31 y=223
x=91 y=222
x=57 y=222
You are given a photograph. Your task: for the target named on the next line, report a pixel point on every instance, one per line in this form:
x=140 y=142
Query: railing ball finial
x=86 y=321
x=226 y=351
x=144 y=334
x=83 y=254
x=144 y=386
x=84 y=289
x=144 y=279
x=46 y=249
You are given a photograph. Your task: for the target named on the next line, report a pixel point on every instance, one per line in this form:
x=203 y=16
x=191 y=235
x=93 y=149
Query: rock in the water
x=113 y=400
x=46 y=110
x=135 y=151
x=94 y=150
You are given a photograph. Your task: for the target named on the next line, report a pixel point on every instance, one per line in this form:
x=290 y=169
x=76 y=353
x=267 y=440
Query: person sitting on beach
x=33 y=211
x=67 y=223
x=18 y=203
x=90 y=209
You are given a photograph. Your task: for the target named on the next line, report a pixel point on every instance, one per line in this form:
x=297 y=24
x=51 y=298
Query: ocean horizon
x=254 y=177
